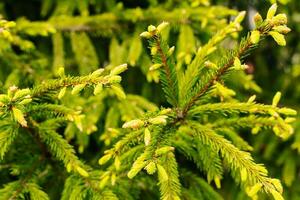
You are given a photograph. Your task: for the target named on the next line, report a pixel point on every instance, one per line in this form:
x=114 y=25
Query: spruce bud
x=18 y=115
x=78 y=88
x=82 y=172
x=146 y=34
x=151 y=28
x=162 y=173
x=119 y=92
x=104 y=159
x=119 y=69
x=62 y=93
x=255 y=36
x=98 y=89
x=147 y=137
x=136 y=123
x=258 y=20
x=159 y=120
x=279 y=38
x=272 y=10
x=151 y=168
x=162 y=26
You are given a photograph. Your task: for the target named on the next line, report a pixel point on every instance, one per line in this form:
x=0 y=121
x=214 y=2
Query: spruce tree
x=53 y=118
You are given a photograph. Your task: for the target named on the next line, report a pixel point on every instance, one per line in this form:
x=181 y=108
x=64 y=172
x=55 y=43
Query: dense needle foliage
x=123 y=100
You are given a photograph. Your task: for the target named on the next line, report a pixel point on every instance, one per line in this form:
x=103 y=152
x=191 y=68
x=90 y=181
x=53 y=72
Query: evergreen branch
x=54 y=85
x=217 y=75
x=8 y=133
x=169 y=182
x=237 y=160
x=35 y=192
x=202 y=155
x=280 y=127
x=245 y=46
x=79 y=82
x=191 y=75
x=59 y=147
x=236 y=140
x=13 y=190
x=163 y=60
x=76 y=187
x=59 y=110
x=237 y=107
x=199 y=186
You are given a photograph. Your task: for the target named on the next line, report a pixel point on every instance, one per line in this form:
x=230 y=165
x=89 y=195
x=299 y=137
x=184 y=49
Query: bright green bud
x=119 y=69
x=69 y=167
x=103 y=181
x=153 y=50
x=78 y=88
x=113 y=179
x=282 y=29
x=97 y=73
x=136 y=168
x=255 y=36
x=255 y=130
x=146 y=34
x=276 y=99
x=62 y=93
x=159 y=120
x=117 y=163
x=21 y=93
x=115 y=79
x=18 y=115
x=210 y=65
x=289 y=119
x=25 y=101
x=217 y=182
x=147 y=137
x=162 y=26
x=276 y=195
x=11 y=91
x=98 y=89
x=151 y=28
x=151 y=168
x=162 y=173
x=277 y=184
x=118 y=91
x=82 y=172
x=280 y=19
x=240 y=17
x=165 y=111
x=155 y=66
x=163 y=150
x=244 y=174
x=78 y=121
x=6 y=34
x=251 y=99
x=237 y=63
x=61 y=72
x=171 y=51
x=104 y=159
x=279 y=38
x=258 y=20
x=136 y=123
x=4 y=99
x=10 y=24
x=287 y=111
x=252 y=191
x=272 y=10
